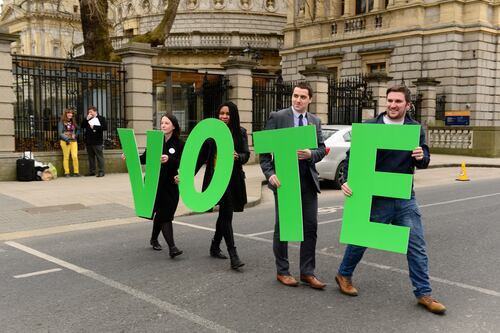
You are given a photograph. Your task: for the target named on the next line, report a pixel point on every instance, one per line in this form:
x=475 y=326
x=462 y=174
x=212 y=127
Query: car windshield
x=326 y=133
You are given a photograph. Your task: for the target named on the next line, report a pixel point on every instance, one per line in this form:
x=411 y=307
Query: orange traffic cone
x=463 y=174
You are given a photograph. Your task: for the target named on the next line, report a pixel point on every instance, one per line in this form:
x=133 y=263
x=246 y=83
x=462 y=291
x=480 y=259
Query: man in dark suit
x=94 y=125
x=294 y=116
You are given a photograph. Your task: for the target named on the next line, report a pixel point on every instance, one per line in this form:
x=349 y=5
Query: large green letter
x=284 y=143
x=202 y=201
x=357 y=228
x=144 y=193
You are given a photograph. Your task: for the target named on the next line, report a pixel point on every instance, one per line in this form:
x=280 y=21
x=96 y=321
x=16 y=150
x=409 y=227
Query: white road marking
x=20 y=276
x=168 y=307
x=460 y=200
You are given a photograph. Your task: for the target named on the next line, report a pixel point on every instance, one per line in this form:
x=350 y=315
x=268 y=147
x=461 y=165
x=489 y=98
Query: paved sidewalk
x=64 y=201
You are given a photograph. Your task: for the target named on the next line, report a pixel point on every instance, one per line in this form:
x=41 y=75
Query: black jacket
x=398 y=161
x=236 y=185
x=94 y=136
x=167 y=195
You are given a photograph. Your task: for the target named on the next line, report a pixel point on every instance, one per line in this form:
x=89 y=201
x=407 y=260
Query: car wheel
x=339 y=175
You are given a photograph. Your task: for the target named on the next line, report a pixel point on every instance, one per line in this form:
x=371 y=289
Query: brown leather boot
x=345 y=285
x=431 y=304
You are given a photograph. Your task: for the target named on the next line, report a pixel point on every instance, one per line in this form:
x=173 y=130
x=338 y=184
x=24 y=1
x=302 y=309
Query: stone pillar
x=377 y=82
x=239 y=73
x=427 y=87
x=136 y=58
x=7 y=97
x=317 y=76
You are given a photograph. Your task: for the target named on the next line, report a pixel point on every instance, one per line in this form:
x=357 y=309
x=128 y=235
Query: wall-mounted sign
x=460 y=118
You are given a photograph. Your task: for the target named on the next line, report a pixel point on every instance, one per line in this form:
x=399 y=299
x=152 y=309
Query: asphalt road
x=109 y=280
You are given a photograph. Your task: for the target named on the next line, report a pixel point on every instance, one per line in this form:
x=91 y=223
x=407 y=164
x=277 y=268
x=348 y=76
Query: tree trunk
x=159 y=34
x=96 y=41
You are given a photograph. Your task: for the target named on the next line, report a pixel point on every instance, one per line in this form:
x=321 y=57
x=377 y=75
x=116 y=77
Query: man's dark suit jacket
x=284 y=119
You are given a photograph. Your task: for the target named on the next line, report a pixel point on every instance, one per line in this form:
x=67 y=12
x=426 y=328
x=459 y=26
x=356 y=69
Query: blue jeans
x=403 y=213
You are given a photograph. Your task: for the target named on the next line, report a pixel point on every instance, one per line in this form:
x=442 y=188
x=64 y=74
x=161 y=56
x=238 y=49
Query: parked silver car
x=337 y=141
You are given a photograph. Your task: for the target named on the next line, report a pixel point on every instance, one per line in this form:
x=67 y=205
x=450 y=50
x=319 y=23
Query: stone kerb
x=137 y=60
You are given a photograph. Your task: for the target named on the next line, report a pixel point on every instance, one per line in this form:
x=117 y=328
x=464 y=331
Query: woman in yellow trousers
x=68 y=133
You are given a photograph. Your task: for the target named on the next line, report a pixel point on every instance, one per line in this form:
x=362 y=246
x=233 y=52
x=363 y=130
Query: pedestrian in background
x=94 y=125
x=235 y=196
x=68 y=133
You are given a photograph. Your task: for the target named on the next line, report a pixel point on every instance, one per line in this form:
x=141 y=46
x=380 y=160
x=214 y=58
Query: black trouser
x=224 y=225
x=165 y=226
x=310 y=227
x=94 y=152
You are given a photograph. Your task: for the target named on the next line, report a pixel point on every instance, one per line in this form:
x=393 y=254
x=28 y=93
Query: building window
x=376 y=68
x=334 y=73
x=363 y=6
x=334 y=28
x=75 y=9
x=128 y=33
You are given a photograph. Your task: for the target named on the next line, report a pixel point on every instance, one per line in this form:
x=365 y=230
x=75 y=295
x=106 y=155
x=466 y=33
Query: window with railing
x=376 y=67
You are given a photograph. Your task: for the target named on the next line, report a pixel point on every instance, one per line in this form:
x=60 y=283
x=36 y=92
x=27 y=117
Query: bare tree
x=96 y=41
x=158 y=35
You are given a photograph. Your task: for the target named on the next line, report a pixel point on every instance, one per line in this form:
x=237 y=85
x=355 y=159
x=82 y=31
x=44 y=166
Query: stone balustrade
x=451 y=138
x=360 y=23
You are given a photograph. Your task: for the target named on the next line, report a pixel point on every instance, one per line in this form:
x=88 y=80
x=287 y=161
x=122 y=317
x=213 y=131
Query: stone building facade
x=45 y=27
x=453 y=44
x=206 y=32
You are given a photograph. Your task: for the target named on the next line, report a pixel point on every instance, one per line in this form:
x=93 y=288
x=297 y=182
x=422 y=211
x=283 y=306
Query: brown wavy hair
x=64 y=117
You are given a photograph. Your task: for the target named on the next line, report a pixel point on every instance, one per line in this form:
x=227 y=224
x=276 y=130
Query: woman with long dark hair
x=235 y=196
x=167 y=194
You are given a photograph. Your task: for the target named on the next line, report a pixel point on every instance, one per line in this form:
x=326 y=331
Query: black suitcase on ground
x=25 y=169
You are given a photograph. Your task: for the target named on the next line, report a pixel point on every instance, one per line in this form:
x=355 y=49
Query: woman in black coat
x=235 y=196
x=167 y=195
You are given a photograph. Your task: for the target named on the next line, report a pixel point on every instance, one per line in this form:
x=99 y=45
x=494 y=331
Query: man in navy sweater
x=400 y=212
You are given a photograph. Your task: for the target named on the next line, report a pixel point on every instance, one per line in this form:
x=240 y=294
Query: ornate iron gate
x=269 y=95
x=187 y=94
x=44 y=87
x=347 y=98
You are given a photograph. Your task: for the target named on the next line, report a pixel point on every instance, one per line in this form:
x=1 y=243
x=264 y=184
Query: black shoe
x=174 y=252
x=155 y=244
x=101 y=174
x=235 y=260
x=90 y=174
x=215 y=251
x=76 y=175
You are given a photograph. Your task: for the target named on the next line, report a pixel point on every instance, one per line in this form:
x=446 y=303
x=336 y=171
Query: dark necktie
x=302 y=163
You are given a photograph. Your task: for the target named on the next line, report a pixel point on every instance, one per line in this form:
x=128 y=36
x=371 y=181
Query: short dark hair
x=400 y=89
x=93 y=108
x=173 y=119
x=304 y=85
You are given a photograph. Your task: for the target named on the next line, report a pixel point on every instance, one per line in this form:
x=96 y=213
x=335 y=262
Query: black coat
x=167 y=195
x=94 y=136
x=236 y=187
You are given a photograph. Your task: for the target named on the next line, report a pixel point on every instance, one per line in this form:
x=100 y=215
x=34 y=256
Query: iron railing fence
x=347 y=97
x=44 y=87
x=269 y=95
